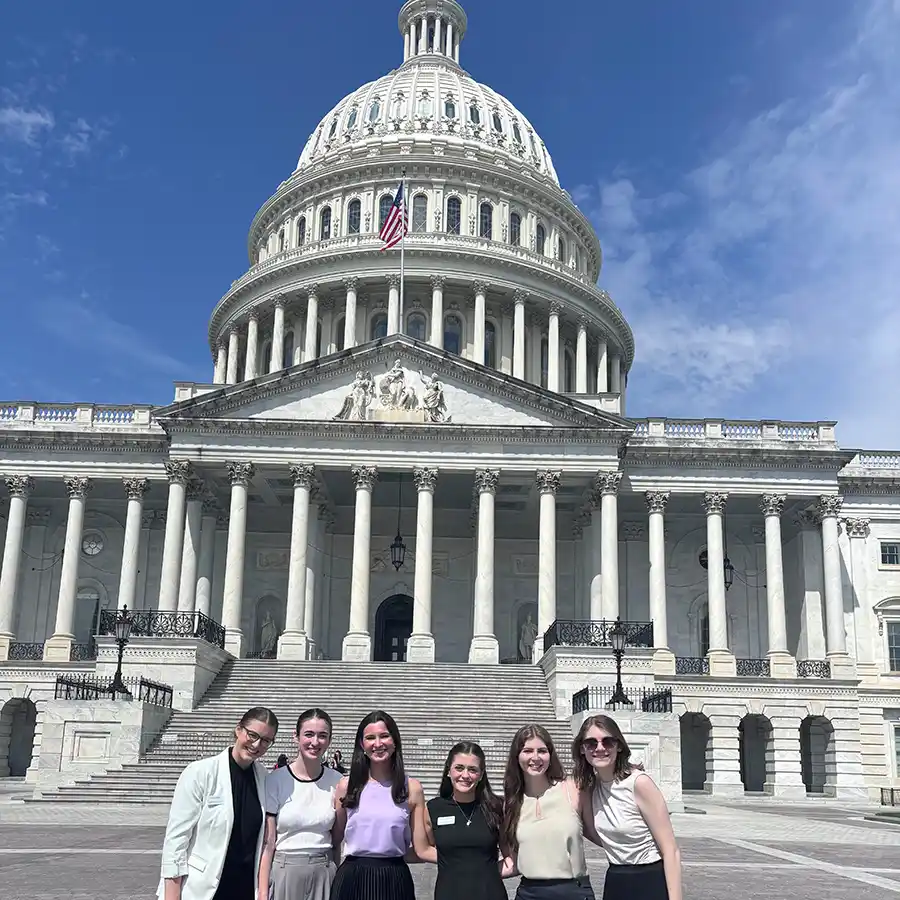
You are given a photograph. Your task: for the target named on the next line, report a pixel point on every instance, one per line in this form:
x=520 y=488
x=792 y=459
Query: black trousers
x=555 y=889
x=646 y=882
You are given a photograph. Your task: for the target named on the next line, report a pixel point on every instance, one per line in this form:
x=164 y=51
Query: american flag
x=396 y=225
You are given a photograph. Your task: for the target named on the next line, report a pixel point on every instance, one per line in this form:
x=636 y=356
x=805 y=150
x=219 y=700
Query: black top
x=239 y=873
x=468 y=852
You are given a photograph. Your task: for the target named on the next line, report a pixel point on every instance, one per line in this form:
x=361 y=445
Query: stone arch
x=696 y=731
x=756 y=752
x=393 y=626
x=18 y=725
x=817 y=759
x=267 y=606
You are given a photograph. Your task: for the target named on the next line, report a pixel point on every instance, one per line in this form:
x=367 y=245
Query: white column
x=423 y=36
x=607 y=485
x=312 y=323
x=602 y=369
x=656 y=507
x=519 y=335
x=781 y=662
x=277 y=360
x=480 y=289
x=456 y=49
x=187 y=585
x=294 y=643
x=437 y=34
x=547 y=484
x=437 y=311
x=350 y=313
x=484 y=647
x=835 y=629
x=59 y=647
x=596 y=557
x=857 y=531
x=179 y=472
x=203 y=597
x=615 y=373
x=252 y=346
x=234 y=348
x=553 y=348
x=240 y=475
x=420 y=647
x=393 y=322
x=406 y=43
x=19 y=487
x=221 y=363
x=721 y=659
x=135 y=490
x=357 y=644
x=450 y=38
x=581 y=358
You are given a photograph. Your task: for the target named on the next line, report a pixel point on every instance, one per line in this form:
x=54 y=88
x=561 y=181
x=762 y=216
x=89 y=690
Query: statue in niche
x=527 y=637
x=395 y=393
x=433 y=401
x=357 y=402
x=268 y=637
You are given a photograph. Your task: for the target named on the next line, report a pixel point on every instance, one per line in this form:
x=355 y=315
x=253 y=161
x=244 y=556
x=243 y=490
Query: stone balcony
x=724 y=432
x=55 y=416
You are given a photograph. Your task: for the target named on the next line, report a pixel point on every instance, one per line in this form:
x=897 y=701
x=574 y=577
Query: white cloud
x=24 y=125
x=764 y=282
x=81 y=137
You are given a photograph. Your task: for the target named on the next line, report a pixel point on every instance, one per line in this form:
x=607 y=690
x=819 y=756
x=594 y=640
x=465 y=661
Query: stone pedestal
x=722 y=664
x=782 y=665
x=485 y=648
x=663 y=663
x=356 y=647
x=234 y=642
x=58 y=648
x=420 y=648
x=842 y=665
x=5 y=641
x=293 y=645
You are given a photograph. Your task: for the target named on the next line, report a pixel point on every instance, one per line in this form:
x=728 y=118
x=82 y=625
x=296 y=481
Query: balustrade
x=600 y=697
x=572 y=633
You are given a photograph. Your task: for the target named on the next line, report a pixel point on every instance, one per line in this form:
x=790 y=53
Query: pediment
x=394 y=381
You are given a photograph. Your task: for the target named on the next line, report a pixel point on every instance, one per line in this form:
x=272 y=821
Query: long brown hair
x=582 y=770
x=490 y=805
x=359 y=764
x=514 y=780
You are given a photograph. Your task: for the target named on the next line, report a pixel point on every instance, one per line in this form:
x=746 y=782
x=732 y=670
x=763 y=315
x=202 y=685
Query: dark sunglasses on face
x=591 y=744
x=254 y=738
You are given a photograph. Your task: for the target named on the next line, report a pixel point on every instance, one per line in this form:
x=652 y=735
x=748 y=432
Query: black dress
x=468 y=855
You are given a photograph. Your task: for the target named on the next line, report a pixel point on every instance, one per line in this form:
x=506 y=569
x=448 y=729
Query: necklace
x=469 y=817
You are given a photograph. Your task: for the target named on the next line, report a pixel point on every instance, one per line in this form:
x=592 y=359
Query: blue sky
x=740 y=161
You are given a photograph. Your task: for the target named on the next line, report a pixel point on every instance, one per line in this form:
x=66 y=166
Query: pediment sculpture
x=395 y=393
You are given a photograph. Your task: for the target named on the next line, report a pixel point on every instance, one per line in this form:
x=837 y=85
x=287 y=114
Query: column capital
x=480 y=287
x=555 y=308
x=486 y=481
x=714 y=502
x=583 y=323
x=520 y=296
x=280 y=301
x=772 y=504
x=607 y=482
x=19 y=485
x=78 y=486
x=857 y=527
x=656 y=501
x=253 y=316
x=179 y=471
x=234 y=330
x=240 y=472
x=364 y=477
x=438 y=281
x=136 y=488
x=425 y=479
x=351 y=283
x=221 y=345
x=829 y=505
x=302 y=475
x=547 y=480
x=195 y=489
x=393 y=280
x=312 y=290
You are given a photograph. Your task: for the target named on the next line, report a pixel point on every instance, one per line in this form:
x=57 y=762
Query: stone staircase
x=434 y=705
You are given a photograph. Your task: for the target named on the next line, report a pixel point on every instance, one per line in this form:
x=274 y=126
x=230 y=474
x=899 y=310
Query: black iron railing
x=572 y=633
x=149 y=623
x=691 y=665
x=646 y=700
x=83 y=652
x=89 y=687
x=263 y=654
x=753 y=668
x=515 y=661
x=22 y=651
x=813 y=668
x=890 y=796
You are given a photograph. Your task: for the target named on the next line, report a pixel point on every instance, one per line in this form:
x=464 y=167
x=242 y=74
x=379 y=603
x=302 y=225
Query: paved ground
x=739 y=851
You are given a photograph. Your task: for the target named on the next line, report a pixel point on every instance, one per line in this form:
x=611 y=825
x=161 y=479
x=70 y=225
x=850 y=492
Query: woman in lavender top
x=378 y=813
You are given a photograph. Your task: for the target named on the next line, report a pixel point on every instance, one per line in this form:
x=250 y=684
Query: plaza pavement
x=744 y=850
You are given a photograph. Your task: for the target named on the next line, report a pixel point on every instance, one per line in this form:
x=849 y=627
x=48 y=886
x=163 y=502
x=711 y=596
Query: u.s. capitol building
x=448 y=473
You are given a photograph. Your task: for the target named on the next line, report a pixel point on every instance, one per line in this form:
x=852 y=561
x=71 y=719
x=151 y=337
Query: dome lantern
x=432 y=28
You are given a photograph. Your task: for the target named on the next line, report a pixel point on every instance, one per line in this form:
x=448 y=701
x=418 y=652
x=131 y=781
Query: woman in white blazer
x=216 y=824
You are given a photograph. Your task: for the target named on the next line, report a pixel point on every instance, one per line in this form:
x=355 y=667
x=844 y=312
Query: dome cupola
x=432 y=28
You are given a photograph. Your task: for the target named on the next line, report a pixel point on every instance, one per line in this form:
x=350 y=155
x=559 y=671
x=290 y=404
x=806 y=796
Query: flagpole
x=402 y=246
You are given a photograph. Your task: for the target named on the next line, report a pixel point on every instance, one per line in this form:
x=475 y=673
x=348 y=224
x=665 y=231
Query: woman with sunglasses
x=630 y=816
x=214 y=837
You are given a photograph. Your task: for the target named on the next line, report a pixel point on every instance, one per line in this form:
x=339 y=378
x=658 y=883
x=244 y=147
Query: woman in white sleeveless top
x=630 y=816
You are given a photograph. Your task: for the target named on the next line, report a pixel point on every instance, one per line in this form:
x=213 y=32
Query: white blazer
x=199 y=827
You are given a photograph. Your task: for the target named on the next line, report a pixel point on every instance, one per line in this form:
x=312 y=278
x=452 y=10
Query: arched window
x=450 y=108
x=541 y=241
x=490 y=345
x=569 y=372
x=332 y=131
x=354 y=216
x=515 y=229
x=454 y=215
x=474 y=113
x=415 y=326
x=288 y=349
x=561 y=249
x=352 y=118
x=517 y=133
x=486 y=220
x=301 y=231
x=281 y=241
x=374 y=111
x=497 y=122
x=384 y=208
x=453 y=335
x=398 y=107
x=378 y=328
x=545 y=361
x=339 y=334
x=425 y=106
x=325 y=224
x=420 y=213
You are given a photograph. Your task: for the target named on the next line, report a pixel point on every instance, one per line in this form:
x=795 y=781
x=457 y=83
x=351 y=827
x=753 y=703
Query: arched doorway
x=17 y=723
x=816 y=750
x=695 y=730
x=754 y=741
x=393 y=626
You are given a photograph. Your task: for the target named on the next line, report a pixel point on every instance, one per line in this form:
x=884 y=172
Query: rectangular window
x=890 y=553
x=893 y=645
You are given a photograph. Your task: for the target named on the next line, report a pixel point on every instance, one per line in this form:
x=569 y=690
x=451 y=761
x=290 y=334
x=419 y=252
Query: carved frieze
x=394 y=393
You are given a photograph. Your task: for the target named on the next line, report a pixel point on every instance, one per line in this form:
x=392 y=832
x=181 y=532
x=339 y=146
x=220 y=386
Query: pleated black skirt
x=373 y=878
x=647 y=882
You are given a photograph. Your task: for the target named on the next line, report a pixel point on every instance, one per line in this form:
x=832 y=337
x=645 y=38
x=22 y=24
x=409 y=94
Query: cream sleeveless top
x=626 y=838
x=551 y=843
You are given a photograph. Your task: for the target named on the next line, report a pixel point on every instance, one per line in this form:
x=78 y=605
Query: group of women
x=306 y=832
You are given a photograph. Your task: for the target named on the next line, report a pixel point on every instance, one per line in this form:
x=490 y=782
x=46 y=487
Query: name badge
x=446 y=820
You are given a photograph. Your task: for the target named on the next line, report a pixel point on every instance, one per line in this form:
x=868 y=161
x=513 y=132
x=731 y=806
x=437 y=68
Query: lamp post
x=123 y=633
x=398 y=546
x=617 y=639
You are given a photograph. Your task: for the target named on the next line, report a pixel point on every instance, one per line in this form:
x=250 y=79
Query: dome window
x=420 y=213
x=353 y=118
x=415 y=326
x=454 y=215
x=561 y=250
x=515 y=229
x=384 y=208
x=545 y=363
x=569 y=372
x=490 y=345
x=339 y=334
x=450 y=108
x=325 y=224
x=474 y=114
x=374 y=111
x=453 y=335
x=517 y=133
x=425 y=106
x=486 y=221
x=287 y=349
x=378 y=328
x=281 y=241
x=398 y=107
x=354 y=217
x=497 y=122
x=333 y=130
x=541 y=240
x=301 y=231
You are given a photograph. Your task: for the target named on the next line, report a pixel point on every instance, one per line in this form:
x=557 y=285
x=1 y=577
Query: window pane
x=333 y=128
x=325 y=230
x=415 y=326
x=490 y=345
x=339 y=334
x=474 y=114
x=454 y=215
x=420 y=213
x=515 y=229
x=374 y=110
x=425 y=106
x=288 y=354
x=517 y=134
x=351 y=119
x=353 y=217
x=541 y=242
x=379 y=327
x=545 y=356
x=890 y=554
x=453 y=335
x=893 y=637
x=384 y=207
x=301 y=231
x=497 y=122
x=486 y=221
x=450 y=109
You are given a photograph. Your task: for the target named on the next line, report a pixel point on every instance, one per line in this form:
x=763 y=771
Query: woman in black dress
x=462 y=827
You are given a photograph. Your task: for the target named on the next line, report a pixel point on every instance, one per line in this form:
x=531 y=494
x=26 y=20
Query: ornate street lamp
x=398 y=545
x=617 y=637
x=123 y=623
x=728 y=566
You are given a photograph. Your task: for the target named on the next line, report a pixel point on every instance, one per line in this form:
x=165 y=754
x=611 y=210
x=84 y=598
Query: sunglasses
x=254 y=738
x=591 y=744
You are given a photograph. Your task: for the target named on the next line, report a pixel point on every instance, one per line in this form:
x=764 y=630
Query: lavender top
x=378 y=826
